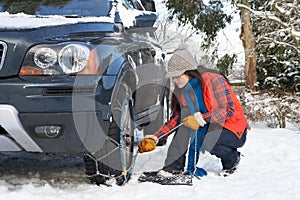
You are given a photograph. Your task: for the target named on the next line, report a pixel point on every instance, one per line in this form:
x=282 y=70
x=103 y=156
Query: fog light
x=48 y=131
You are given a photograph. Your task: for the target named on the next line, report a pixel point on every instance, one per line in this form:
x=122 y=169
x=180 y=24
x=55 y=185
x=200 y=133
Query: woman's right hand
x=148 y=143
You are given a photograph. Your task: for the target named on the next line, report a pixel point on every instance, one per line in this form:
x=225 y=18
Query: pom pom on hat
x=181 y=61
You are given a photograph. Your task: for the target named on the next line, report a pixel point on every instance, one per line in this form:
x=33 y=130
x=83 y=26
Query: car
x=81 y=76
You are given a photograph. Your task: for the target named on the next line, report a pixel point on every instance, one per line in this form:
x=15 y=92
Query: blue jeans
x=218 y=141
x=223 y=144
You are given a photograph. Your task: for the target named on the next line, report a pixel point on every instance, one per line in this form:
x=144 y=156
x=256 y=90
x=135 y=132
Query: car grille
x=3 y=48
x=68 y=91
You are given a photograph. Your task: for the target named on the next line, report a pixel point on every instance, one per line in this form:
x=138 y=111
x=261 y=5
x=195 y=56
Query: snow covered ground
x=269 y=170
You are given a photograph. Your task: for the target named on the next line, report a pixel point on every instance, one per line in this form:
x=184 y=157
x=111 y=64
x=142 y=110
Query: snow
x=269 y=169
x=128 y=15
x=22 y=21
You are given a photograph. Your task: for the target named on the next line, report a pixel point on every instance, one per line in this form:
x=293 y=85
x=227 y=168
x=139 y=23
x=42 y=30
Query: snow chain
x=125 y=172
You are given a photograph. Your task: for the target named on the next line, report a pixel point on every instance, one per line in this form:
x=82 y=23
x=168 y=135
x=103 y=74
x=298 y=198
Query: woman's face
x=181 y=80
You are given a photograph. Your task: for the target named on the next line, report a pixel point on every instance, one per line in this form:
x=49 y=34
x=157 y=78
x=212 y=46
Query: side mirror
x=144 y=13
x=145 y=20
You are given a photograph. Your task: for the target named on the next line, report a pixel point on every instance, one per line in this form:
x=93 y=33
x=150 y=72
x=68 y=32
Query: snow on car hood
x=24 y=21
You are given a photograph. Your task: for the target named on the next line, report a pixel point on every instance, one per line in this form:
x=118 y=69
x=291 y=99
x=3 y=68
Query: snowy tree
x=225 y=63
x=171 y=33
x=210 y=17
x=276 y=26
x=247 y=37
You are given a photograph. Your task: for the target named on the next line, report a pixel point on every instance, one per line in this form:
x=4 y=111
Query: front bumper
x=80 y=132
x=80 y=109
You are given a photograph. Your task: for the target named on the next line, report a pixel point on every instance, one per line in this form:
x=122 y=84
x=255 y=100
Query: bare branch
x=264 y=15
x=278 y=42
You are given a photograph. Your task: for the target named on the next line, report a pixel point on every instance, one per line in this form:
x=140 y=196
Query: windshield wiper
x=72 y=16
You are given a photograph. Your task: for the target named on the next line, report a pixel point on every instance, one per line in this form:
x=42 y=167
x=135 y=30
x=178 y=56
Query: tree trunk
x=247 y=38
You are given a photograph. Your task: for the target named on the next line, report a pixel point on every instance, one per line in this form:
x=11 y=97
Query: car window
x=132 y=4
x=57 y=7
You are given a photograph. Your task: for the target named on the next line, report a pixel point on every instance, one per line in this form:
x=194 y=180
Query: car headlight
x=73 y=58
x=45 y=57
x=58 y=59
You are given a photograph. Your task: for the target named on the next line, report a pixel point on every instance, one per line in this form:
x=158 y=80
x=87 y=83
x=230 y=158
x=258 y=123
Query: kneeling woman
x=212 y=116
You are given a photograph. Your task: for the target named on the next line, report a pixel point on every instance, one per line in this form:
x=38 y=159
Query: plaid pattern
x=169 y=125
x=224 y=100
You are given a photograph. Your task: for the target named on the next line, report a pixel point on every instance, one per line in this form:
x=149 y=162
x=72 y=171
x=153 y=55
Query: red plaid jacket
x=222 y=104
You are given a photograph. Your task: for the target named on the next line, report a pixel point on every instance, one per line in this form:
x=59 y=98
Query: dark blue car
x=81 y=76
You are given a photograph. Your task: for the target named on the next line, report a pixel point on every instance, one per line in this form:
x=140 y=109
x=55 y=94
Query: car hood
x=18 y=41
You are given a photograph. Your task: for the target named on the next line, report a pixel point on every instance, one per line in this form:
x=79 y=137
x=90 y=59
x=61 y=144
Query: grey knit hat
x=181 y=61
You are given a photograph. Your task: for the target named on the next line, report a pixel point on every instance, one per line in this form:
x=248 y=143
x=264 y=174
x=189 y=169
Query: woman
x=212 y=116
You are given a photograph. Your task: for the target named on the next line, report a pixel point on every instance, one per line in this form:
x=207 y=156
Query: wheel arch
x=128 y=75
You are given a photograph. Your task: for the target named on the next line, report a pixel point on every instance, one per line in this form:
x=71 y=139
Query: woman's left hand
x=194 y=121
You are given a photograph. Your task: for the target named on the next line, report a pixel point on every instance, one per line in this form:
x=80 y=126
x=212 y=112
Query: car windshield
x=79 y=8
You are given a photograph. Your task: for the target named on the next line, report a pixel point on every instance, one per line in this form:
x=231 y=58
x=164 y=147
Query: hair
x=196 y=73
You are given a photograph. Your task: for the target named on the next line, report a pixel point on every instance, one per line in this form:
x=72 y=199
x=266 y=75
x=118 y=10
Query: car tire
x=115 y=159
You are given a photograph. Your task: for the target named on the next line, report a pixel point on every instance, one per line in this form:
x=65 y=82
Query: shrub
x=275 y=110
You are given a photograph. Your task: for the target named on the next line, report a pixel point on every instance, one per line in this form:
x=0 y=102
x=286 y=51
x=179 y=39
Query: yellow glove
x=194 y=121
x=148 y=143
